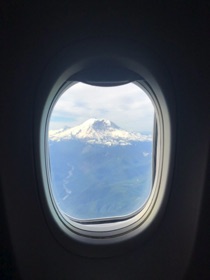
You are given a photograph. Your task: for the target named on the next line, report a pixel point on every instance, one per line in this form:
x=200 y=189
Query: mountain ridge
x=98 y=131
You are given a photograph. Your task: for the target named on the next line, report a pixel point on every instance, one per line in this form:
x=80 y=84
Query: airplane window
x=101 y=151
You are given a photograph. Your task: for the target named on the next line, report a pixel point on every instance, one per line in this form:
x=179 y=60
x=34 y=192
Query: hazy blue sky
x=127 y=106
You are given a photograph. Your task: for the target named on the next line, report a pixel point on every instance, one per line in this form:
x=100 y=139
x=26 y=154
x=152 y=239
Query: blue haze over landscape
x=100 y=169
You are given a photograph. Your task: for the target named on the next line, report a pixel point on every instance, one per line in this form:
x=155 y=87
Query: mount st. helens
x=99 y=170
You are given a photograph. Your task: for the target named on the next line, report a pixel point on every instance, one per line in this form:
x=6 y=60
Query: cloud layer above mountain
x=126 y=105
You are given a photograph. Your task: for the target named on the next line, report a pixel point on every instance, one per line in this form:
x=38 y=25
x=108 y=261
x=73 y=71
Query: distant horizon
x=128 y=106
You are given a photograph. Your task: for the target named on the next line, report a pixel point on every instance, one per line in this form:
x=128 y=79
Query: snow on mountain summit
x=98 y=131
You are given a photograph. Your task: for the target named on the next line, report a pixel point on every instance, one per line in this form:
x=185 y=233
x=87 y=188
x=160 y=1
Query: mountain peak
x=99 y=131
x=100 y=124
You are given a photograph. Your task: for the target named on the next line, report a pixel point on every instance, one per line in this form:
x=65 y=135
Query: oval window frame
x=71 y=67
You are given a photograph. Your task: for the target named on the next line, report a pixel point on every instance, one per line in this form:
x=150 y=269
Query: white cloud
x=127 y=106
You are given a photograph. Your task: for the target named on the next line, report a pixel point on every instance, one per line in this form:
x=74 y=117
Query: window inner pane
x=100 y=142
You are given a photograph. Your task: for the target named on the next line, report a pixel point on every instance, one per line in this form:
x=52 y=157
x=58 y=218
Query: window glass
x=100 y=142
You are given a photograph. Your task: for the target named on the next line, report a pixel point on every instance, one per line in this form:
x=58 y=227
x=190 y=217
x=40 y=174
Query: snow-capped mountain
x=99 y=170
x=98 y=131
